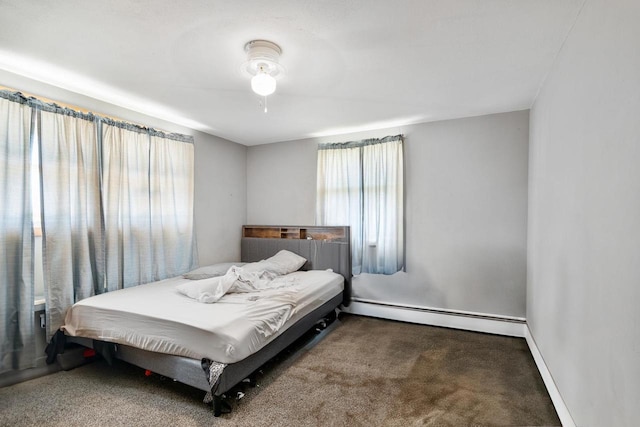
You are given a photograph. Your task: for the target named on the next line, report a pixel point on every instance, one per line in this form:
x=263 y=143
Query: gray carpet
x=365 y=372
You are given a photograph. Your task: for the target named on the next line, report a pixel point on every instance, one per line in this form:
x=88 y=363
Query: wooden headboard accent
x=323 y=247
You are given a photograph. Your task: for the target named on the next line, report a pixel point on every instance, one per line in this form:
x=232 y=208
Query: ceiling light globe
x=263 y=84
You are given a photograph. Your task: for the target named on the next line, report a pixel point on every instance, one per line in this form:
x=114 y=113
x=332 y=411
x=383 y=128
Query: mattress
x=155 y=317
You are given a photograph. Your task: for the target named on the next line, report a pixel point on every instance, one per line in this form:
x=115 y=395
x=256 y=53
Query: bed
x=215 y=346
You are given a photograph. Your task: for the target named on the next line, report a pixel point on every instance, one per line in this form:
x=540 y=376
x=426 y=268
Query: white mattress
x=157 y=318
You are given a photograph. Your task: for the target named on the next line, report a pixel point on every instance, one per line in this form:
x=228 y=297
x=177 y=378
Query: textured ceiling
x=351 y=65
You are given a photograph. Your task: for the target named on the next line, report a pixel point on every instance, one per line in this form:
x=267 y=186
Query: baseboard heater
x=458 y=319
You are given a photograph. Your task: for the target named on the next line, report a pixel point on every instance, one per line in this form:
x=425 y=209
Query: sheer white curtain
x=148 y=204
x=17 y=335
x=172 y=191
x=360 y=184
x=127 y=208
x=116 y=209
x=72 y=229
x=339 y=195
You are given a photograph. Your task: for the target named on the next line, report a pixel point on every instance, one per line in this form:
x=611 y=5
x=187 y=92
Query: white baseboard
x=554 y=393
x=470 y=321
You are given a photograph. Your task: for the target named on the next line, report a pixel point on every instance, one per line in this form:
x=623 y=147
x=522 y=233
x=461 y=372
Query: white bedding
x=157 y=318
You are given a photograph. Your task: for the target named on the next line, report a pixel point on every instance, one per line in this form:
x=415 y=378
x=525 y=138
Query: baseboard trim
x=470 y=321
x=552 y=389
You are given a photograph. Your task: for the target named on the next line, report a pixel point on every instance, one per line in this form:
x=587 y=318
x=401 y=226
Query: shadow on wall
x=399 y=288
x=489 y=279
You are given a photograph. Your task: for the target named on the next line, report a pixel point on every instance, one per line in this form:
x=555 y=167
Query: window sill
x=39 y=304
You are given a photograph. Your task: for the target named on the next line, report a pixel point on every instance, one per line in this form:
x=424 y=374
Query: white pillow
x=285 y=262
x=256 y=267
x=210 y=271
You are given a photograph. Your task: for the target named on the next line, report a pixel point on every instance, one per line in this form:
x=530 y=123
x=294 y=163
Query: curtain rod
x=360 y=143
x=113 y=121
x=61 y=104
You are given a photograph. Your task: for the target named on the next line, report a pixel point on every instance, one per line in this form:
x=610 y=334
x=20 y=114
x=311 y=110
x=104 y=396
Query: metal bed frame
x=320 y=255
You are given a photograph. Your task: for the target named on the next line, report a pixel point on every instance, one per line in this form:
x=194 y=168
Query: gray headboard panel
x=320 y=255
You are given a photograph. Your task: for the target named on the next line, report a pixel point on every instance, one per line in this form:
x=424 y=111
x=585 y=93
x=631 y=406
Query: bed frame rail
x=323 y=247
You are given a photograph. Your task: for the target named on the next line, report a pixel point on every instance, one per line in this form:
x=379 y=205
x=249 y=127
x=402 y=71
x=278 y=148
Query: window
x=360 y=184
x=89 y=199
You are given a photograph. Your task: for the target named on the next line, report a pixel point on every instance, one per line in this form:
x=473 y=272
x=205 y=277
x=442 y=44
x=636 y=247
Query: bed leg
x=331 y=316
x=253 y=380
x=220 y=406
x=323 y=323
x=217 y=406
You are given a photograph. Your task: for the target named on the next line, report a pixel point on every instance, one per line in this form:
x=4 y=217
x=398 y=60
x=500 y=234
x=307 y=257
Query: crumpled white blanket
x=248 y=278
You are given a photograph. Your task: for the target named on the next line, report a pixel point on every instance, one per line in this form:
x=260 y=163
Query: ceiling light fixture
x=263 y=83
x=263 y=67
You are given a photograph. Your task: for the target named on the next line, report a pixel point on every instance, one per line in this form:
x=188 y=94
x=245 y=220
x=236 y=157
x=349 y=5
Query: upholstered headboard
x=323 y=247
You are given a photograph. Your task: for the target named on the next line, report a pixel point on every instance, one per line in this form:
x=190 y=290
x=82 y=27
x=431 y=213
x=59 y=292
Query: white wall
x=583 y=288
x=281 y=183
x=466 y=207
x=220 y=171
x=220 y=197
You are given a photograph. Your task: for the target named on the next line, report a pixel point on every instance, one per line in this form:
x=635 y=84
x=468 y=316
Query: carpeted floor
x=365 y=372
